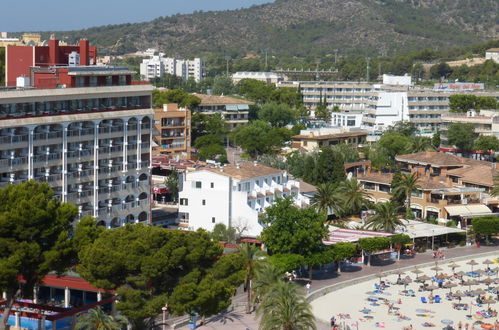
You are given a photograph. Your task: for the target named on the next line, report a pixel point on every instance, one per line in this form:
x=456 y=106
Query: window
x=212 y=185
x=204 y=202
x=184 y=201
x=304 y=143
x=369 y=186
x=212 y=219
x=198 y=184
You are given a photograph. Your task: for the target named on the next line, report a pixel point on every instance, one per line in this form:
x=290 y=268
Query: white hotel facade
x=235 y=195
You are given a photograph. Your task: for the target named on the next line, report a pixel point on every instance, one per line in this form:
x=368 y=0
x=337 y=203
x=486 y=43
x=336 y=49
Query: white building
x=235 y=196
x=492 y=54
x=157 y=66
x=347 y=118
x=267 y=77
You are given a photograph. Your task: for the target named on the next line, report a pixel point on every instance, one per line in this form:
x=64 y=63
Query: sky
x=39 y=15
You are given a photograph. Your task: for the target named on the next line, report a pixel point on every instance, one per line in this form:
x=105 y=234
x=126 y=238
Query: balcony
x=54 y=180
x=54 y=158
x=81 y=176
x=110 y=170
x=13 y=141
x=46 y=138
x=114 y=151
x=84 y=196
x=81 y=155
x=110 y=132
x=80 y=135
x=132 y=128
x=19 y=162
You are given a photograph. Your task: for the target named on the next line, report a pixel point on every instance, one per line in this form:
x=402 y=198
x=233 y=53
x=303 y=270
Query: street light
x=164 y=309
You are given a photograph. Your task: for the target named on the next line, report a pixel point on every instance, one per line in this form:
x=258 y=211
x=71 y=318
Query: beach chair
x=437 y=299
x=423 y=300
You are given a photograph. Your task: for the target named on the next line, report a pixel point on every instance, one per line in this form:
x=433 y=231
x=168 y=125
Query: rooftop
x=426 y=183
x=220 y=100
x=482 y=175
x=244 y=171
x=329 y=136
x=493 y=50
x=436 y=159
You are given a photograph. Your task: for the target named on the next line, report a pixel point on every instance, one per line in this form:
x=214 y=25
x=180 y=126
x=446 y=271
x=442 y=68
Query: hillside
x=308 y=27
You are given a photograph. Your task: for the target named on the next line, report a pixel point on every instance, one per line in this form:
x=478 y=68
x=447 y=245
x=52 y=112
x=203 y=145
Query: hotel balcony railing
x=80 y=153
x=87 y=213
x=11 y=139
x=18 y=161
x=53 y=179
x=145 y=126
x=145 y=144
x=81 y=132
x=110 y=150
x=47 y=158
x=110 y=170
x=47 y=136
x=81 y=175
x=132 y=128
x=75 y=195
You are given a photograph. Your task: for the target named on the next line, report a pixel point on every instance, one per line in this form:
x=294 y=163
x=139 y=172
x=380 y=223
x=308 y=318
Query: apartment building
x=492 y=54
x=158 y=65
x=173 y=126
x=235 y=195
x=266 y=77
x=384 y=104
x=486 y=122
x=90 y=141
x=312 y=139
x=450 y=187
x=234 y=111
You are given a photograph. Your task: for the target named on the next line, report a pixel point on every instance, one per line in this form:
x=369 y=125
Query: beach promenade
x=237 y=319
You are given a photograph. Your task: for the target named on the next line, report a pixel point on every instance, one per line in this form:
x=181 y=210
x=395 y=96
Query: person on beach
x=308 y=286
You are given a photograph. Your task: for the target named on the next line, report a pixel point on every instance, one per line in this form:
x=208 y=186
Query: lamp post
x=164 y=309
x=432 y=239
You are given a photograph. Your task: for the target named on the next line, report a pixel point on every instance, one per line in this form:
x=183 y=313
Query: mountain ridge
x=304 y=27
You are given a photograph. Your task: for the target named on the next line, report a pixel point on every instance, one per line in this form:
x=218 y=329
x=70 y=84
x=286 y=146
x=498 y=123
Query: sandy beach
x=362 y=306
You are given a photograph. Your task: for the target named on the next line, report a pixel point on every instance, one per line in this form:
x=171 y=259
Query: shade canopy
x=467 y=210
x=416 y=229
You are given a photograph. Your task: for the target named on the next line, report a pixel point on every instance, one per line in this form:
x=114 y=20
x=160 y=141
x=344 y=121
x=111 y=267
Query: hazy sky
x=39 y=15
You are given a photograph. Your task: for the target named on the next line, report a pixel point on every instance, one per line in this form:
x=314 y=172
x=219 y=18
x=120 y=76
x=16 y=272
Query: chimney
x=53 y=51
x=84 y=52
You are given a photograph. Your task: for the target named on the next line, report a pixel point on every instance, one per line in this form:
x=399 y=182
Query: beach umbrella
x=488 y=280
x=417 y=272
x=489 y=301
x=478 y=291
x=432 y=287
x=380 y=276
x=458 y=294
x=424 y=278
x=449 y=285
x=436 y=269
x=444 y=276
x=453 y=265
x=487 y=262
x=469 y=283
x=472 y=263
x=399 y=273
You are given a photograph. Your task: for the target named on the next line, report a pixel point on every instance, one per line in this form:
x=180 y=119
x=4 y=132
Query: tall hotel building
x=83 y=129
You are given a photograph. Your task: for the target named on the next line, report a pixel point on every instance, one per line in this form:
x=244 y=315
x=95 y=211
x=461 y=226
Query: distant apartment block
x=384 y=104
x=27 y=39
x=158 y=65
x=267 y=77
x=312 y=139
x=173 y=126
x=492 y=54
x=233 y=110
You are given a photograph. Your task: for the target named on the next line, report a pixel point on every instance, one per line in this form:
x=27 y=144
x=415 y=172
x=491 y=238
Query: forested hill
x=304 y=27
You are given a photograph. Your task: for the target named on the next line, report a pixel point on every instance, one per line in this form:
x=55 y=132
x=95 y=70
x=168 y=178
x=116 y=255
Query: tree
x=441 y=70
x=149 y=266
x=286 y=262
x=209 y=132
x=487 y=143
x=259 y=137
x=385 y=218
x=487 y=225
x=324 y=198
x=277 y=114
x=35 y=231
x=352 y=196
x=419 y=144
x=97 y=319
x=406 y=128
x=342 y=251
x=178 y=96
x=249 y=253
x=266 y=274
x=435 y=139
x=408 y=183
x=373 y=244
x=222 y=85
x=328 y=167
x=284 y=307
x=289 y=229
x=221 y=233
x=323 y=112
x=461 y=135
x=255 y=90
x=171 y=182
x=398 y=241
x=394 y=144
x=462 y=103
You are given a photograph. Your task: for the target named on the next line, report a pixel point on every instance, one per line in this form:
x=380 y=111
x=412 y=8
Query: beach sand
x=351 y=300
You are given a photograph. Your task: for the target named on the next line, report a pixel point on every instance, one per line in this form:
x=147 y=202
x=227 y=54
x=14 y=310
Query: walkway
x=238 y=320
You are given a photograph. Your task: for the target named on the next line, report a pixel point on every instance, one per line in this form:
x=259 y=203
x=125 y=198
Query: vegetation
x=277 y=114
x=221 y=233
x=406 y=185
x=171 y=182
x=259 y=137
x=487 y=225
x=385 y=219
x=149 y=266
x=35 y=231
x=97 y=319
x=249 y=253
x=487 y=143
x=351 y=197
x=373 y=244
x=284 y=307
x=325 y=198
x=462 y=103
x=461 y=135
x=208 y=135
x=182 y=98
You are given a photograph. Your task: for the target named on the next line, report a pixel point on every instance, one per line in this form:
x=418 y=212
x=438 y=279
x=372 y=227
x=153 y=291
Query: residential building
x=173 y=126
x=450 y=187
x=90 y=141
x=19 y=60
x=267 y=77
x=382 y=105
x=347 y=118
x=31 y=39
x=492 y=54
x=485 y=123
x=158 y=65
x=234 y=111
x=312 y=139
x=235 y=195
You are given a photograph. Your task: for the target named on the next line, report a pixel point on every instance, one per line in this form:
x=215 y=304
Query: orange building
x=173 y=131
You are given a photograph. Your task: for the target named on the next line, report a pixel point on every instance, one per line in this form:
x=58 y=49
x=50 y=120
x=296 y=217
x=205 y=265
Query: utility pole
x=227 y=58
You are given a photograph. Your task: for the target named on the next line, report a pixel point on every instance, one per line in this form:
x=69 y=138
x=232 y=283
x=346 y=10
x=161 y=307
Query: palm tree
x=284 y=307
x=266 y=274
x=97 y=319
x=323 y=199
x=407 y=184
x=249 y=253
x=385 y=218
x=419 y=144
x=352 y=196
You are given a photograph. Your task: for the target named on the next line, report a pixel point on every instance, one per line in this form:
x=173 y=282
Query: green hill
x=308 y=27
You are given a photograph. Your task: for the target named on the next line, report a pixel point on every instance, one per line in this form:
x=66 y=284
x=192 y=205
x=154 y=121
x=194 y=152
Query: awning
x=464 y=210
